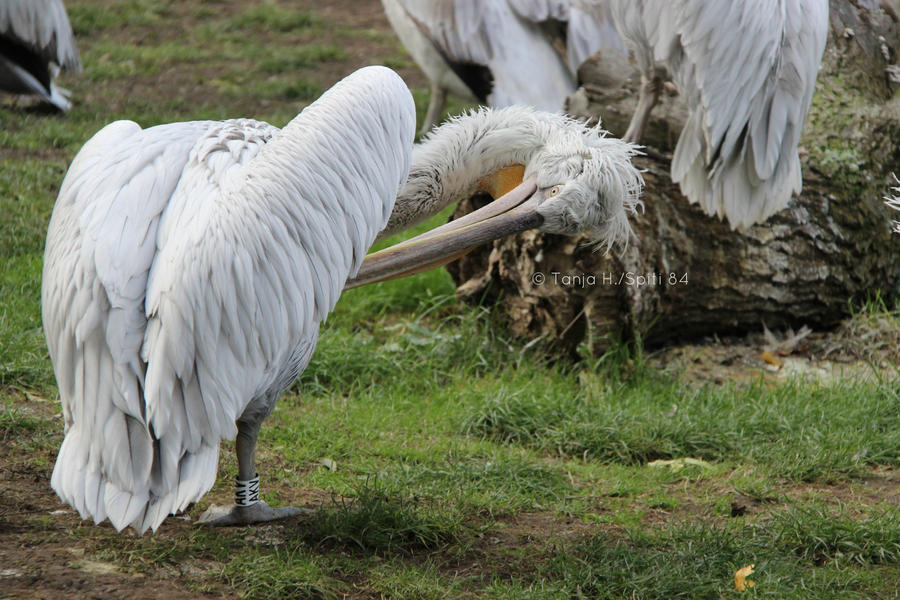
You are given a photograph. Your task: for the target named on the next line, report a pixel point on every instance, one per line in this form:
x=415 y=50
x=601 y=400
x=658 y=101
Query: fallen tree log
x=687 y=275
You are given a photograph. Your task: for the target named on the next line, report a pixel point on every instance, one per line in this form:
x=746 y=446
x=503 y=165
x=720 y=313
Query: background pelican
x=188 y=267
x=36 y=40
x=747 y=71
x=501 y=52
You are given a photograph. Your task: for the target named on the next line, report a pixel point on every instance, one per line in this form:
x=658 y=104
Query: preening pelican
x=501 y=52
x=747 y=70
x=188 y=267
x=36 y=40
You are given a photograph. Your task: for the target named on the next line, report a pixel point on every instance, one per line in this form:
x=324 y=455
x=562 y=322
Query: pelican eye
x=554 y=191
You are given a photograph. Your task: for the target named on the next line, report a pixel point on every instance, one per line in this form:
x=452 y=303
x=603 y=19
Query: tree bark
x=687 y=275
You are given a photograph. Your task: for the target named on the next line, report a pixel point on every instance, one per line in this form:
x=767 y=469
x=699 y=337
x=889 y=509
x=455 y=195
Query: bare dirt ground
x=867 y=345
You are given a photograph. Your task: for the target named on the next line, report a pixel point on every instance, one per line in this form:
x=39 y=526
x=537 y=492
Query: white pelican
x=747 y=70
x=36 y=40
x=188 y=267
x=501 y=52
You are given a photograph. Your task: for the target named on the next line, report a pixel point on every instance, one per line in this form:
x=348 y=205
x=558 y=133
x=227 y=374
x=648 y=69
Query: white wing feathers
x=590 y=28
x=748 y=71
x=43 y=26
x=459 y=29
x=491 y=34
x=589 y=25
x=254 y=245
x=92 y=297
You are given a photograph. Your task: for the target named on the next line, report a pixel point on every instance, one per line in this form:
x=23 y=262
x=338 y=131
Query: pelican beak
x=513 y=212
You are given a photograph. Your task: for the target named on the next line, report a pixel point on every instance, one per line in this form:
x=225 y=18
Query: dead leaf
x=678 y=464
x=771 y=359
x=740 y=578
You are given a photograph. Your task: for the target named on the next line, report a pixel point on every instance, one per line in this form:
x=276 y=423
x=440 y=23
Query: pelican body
x=747 y=71
x=36 y=40
x=500 y=52
x=188 y=267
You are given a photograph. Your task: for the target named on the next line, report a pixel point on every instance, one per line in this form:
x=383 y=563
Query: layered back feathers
x=187 y=269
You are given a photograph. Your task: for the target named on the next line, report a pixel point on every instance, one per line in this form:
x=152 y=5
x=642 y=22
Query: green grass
x=698 y=561
x=840 y=429
x=375 y=521
x=445 y=459
x=273 y=17
x=14 y=422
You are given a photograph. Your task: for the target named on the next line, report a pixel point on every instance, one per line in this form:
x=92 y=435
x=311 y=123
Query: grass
x=839 y=429
x=445 y=459
x=375 y=521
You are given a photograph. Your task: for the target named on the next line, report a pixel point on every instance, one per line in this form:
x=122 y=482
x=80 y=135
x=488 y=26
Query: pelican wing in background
x=35 y=40
x=481 y=50
x=747 y=72
x=755 y=90
x=43 y=27
x=589 y=25
x=461 y=29
x=449 y=35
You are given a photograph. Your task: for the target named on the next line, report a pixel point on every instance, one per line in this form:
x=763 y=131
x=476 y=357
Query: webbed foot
x=260 y=512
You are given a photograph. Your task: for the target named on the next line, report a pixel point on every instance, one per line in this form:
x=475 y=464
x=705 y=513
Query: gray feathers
x=187 y=269
x=747 y=71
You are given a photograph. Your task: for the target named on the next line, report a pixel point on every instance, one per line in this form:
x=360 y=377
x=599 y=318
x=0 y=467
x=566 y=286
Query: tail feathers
x=94 y=495
x=197 y=474
x=731 y=187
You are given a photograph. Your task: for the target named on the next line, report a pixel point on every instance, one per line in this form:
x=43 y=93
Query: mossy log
x=687 y=275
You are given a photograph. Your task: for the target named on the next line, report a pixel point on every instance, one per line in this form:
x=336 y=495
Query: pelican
x=747 y=70
x=36 y=40
x=501 y=52
x=188 y=267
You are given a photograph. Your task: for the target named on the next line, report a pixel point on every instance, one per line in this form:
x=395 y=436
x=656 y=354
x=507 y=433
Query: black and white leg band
x=246 y=493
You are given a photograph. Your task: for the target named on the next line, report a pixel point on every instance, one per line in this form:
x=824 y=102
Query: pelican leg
x=248 y=508
x=647 y=98
x=435 y=107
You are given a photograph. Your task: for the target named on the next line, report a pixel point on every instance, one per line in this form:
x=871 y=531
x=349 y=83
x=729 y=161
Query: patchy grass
x=375 y=521
x=698 y=560
x=841 y=429
x=444 y=460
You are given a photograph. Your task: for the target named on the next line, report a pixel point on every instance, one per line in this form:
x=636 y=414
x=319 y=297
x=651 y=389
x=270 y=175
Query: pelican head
x=586 y=184
x=578 y=180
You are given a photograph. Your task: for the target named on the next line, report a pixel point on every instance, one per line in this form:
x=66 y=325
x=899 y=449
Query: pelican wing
x=590 y=28
x=187 y=269
x=588 y=24
x=43 y=27
x=253 y=255
x=461 y=30
x=100 y=245
x=501 y=57
x=541 y=11
x=748 y=71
